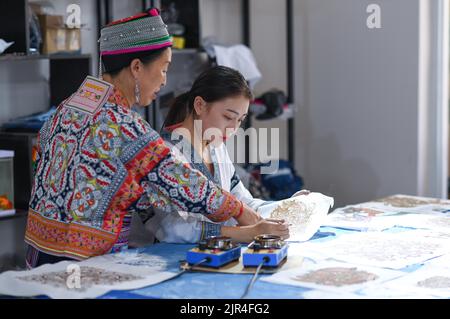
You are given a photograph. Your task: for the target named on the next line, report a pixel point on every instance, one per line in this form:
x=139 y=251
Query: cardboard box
x=36 y=7
x=56 y=37
x=60 y=40
x=50 y=21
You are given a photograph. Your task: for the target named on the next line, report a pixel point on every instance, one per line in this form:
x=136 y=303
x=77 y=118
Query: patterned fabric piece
x=92 y=172
x=31 y=257
x=195 y=159
x=174 y=186
x=66 y=239
x=235 y=180
x=122 y=240
x=210 y=229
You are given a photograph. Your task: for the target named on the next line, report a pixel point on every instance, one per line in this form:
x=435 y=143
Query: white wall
x=358 y=128
x=222 y=20
x=23 y=88
x=268 y=44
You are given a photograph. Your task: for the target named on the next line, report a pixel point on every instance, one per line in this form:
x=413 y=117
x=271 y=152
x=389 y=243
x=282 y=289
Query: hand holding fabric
x=246 y=234
x=301 y=192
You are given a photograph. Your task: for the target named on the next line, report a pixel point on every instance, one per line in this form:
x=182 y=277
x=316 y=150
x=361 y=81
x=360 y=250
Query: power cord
x=207 y=259
x=252 y=281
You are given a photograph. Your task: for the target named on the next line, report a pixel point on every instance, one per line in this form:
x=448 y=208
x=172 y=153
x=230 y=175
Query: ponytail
x=179 y=110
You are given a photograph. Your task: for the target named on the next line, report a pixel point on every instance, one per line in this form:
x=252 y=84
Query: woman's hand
x=302 y=192
x=246 y=234
x=271 y=226
x=248 y=217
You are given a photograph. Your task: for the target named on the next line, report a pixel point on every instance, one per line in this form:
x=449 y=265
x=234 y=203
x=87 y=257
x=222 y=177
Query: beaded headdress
x=136 y=34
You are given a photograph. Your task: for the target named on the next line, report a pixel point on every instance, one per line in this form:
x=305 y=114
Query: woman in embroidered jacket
x=197 y=124
x=99 y=161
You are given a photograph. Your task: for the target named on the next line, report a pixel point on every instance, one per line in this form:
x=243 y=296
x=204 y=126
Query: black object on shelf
x=188 y=16
x=273 y=100
x=66 y=75
x=246 y=37
x=14 y=25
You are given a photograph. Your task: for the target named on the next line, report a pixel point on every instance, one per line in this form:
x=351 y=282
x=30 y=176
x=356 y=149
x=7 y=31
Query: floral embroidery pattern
x=92 y=171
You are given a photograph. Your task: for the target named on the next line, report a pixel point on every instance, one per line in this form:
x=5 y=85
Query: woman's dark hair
x=214 y=84
x=113 y=64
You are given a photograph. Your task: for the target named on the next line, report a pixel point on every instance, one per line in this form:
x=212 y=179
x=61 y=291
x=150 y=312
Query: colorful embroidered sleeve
x=36 y=154
x=181 y=227
x=176 y=186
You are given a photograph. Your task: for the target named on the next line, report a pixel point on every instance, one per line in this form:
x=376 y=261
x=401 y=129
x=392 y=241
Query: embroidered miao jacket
x=94 y=171
x=183 y=226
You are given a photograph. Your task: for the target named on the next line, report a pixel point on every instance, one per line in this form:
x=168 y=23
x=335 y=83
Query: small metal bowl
x=267 y=241
x=217 y=242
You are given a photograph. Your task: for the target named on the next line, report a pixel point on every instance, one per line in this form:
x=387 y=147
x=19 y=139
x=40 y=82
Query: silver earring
x=137 y=93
